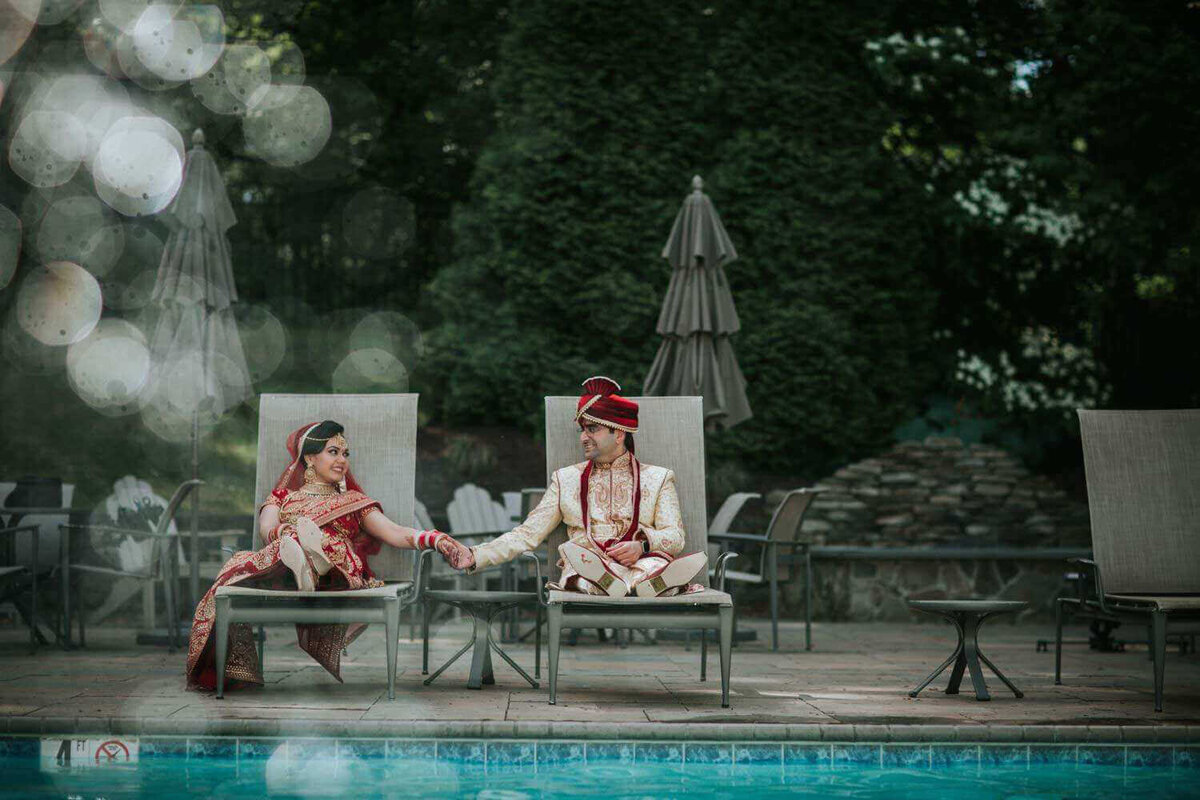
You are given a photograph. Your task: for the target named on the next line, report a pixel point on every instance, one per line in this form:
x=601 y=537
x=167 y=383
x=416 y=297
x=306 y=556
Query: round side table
x=967 y=616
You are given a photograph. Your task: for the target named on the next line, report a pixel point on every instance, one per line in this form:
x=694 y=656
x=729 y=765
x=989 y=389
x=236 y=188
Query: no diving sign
x=100 y=752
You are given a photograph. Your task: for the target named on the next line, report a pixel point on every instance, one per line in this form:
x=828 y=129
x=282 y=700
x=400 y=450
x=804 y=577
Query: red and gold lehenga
x=339 y=515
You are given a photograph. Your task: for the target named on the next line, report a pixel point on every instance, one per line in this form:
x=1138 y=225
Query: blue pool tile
x=1148 y=757
x=808 y=755
x=362 y=748
x=1096 y=754
x=463 y=752
x=301 y=750
x=845 y=755
x=1053 y=754
x=954 y=755
x=162 y=746
x=1016 y=755
x=411 y=748
x=258 y=749
x=621 y=752
x=755 y=753
x=659 y=752
x=1188 y=757
x=702 y=753
x=212 y=748
x=511 y=755
x=555 y=753
x=20 y=746
x=906 y=756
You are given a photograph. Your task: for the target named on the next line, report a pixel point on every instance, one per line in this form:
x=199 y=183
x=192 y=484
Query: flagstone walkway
x=853 y=684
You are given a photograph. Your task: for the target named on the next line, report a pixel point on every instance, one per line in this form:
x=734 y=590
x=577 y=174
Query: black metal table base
x=484 y=613
x=966 y=657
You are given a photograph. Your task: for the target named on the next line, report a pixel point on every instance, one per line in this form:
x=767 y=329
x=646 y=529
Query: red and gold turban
x=601 y=404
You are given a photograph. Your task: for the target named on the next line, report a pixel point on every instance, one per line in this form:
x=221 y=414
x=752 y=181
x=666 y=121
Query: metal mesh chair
x=1143 y=484
x=671 y=435
x=383 y=429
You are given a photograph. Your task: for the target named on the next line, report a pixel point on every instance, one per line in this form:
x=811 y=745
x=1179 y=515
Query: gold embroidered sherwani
x=610 y=508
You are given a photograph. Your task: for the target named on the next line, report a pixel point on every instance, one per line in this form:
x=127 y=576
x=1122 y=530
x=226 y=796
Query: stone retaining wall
x=937 y=493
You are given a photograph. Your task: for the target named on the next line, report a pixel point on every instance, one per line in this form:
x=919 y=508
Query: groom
x=622 y=516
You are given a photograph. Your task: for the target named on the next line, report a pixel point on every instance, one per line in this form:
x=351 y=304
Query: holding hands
x=456 y=554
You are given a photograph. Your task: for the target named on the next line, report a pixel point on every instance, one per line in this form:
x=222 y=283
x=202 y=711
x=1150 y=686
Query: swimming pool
x=111 y=767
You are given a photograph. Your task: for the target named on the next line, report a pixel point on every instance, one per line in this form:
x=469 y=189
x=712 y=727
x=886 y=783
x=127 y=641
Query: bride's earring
x=310 y=474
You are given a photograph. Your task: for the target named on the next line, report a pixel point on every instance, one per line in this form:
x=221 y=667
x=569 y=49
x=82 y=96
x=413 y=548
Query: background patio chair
x=672 y=436
x=382 y=429
x=32 y=554
x=1143 y=485
x=782 y=532
x=158 y=563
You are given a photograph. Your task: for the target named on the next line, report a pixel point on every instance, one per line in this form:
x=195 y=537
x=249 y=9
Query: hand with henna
x=457 y=555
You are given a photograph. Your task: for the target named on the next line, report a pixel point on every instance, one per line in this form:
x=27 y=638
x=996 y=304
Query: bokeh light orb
x=100 y=41
x=264 y=340
x=26 y=353
x=110 y=367
x=133 y=68
x=82 y=230
x=179 y=46
x=288 y=132
x=95 y=103
x=129 y=284
x=17 y=18
x=378 y=223
x=391 y=332
x=139 y=165
x=10 y=245
x=286 y=61
x=59 y=304
x=47 y=148
x=243 y=71
x=124 y=14
x=370 y=370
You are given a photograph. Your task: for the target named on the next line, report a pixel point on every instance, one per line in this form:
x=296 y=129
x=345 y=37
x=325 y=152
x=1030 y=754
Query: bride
x=319 y=529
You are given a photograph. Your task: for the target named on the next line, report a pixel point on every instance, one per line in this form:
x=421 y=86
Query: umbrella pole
x=194 y=578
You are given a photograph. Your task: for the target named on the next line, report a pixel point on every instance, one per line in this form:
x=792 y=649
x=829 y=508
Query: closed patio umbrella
x=198 y=365
x=696 y=356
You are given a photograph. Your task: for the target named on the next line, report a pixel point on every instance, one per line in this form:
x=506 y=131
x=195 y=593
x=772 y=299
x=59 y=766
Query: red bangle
x=428 y=539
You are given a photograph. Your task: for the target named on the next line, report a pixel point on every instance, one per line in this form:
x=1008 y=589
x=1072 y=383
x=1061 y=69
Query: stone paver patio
x=853 y=684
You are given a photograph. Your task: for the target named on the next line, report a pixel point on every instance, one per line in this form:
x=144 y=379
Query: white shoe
x=592 y=568
x=310 y=537
x=292 y=555
x=673 y=575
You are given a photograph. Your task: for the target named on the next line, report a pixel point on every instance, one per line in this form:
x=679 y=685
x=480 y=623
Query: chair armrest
x=421 y=571
x=542 y=592
x=740 y=537
x=1093 y=569
x=136 y=533
x=33 y=526
x=719 y=572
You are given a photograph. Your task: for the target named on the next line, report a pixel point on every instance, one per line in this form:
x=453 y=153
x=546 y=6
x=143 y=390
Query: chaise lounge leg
x=221 y=623
x=427 y=611
x=537 y=644
x=726 y=613
x=703 y=654
x=392 y=631
x=1058 y=625
x=1159 y=626
x=554 y=640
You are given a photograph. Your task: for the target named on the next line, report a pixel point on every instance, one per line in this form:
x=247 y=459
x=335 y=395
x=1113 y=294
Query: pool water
x=318 y=775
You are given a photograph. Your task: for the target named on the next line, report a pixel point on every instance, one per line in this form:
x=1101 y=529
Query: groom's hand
x=457 y=554
x=625 y=553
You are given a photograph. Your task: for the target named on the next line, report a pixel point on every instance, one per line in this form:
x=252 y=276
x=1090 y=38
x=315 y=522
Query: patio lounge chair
x=382 y=429
x=158 y=562
x=672 y=436
x=1143 y=484
x=782 y=532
